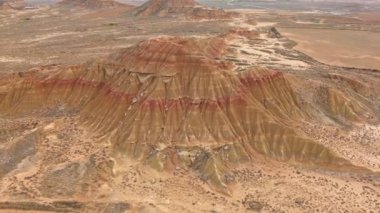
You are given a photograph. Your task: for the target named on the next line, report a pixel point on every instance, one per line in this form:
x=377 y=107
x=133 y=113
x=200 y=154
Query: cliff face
x=188 y=8
x=168 y=96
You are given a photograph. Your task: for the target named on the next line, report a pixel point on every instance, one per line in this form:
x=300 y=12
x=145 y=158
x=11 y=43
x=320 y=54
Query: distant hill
x=93 y=4
x=188 y=8
x=164 y=7
x=12 y=4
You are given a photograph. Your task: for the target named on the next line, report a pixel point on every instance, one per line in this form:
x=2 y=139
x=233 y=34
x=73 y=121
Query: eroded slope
x=172 y=102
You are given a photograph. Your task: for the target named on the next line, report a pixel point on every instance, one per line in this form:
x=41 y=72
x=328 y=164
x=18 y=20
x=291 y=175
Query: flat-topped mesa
x=12 y=4
x=168 y=95
x=165 y=7
x=93 y=4
x=187 y=8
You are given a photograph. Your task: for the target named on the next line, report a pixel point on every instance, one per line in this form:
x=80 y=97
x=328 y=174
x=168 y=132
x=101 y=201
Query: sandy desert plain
x=173 y=106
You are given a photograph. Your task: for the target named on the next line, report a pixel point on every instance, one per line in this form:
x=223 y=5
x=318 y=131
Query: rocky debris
x=61 y=182
x=253 y=205
x=21 y=149
x=243 y=32
x=274 y=33
x=299 y=201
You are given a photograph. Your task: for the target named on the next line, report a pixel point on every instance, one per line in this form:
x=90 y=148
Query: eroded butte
x=232 y=120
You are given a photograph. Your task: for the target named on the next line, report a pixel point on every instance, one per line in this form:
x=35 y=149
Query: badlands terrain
x=175 y=106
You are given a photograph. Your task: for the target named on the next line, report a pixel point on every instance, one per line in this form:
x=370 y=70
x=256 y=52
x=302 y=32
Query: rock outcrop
x=273 y=33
